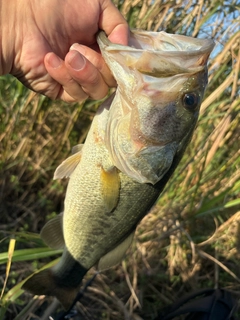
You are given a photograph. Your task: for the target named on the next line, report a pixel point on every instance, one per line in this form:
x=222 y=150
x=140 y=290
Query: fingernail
x=54 y=61
x=77 y=61
x=74 y=46
x=78 y=47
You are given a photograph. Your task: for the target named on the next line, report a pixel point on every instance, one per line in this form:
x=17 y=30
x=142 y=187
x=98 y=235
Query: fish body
x=135 y=142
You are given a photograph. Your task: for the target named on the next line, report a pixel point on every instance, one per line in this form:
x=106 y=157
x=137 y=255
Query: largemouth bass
x=135 y=142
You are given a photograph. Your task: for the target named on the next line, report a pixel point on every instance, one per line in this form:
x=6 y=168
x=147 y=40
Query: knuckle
x=97 y=94
x=93 y=79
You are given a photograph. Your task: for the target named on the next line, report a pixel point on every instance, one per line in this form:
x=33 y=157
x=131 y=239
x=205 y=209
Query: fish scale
x=135 y=142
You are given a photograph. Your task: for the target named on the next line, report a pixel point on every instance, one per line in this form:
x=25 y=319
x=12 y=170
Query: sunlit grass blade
x=11 y=248
x=29 y=254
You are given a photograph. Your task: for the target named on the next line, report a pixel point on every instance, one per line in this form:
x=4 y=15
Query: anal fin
x=116 y=255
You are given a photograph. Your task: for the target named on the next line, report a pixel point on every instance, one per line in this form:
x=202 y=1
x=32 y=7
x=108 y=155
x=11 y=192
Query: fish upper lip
x=181 y=51
x=195 y=46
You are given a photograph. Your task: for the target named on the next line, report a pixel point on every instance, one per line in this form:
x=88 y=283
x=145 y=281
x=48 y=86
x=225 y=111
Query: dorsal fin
x=77 y=148
x=66 y=168
x=52 y=232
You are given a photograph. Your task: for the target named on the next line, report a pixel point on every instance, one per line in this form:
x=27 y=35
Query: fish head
x=161 y=82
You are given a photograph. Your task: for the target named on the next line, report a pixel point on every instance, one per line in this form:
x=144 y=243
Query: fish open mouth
x=161 y=81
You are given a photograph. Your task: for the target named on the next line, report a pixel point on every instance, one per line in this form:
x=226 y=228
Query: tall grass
x=189 y=240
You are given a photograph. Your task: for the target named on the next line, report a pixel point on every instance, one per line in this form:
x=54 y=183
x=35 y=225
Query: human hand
x=39 y=35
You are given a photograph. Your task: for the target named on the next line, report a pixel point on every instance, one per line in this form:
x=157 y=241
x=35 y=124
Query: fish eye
x=190 y=101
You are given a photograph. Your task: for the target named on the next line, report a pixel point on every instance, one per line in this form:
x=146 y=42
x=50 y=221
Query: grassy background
x=190 y=240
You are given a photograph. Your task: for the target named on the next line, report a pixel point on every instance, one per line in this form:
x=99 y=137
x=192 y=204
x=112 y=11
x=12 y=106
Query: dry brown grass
x=190 y=239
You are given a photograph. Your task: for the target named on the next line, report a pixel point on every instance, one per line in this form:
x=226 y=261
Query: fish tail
x=46 y=283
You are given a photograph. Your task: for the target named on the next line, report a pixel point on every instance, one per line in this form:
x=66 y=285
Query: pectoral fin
x=115 y=256
x=66 y=168
x=110 y=182
x=52 y=233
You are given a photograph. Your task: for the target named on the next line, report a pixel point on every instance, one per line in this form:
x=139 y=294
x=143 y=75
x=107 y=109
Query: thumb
x=113 y=23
